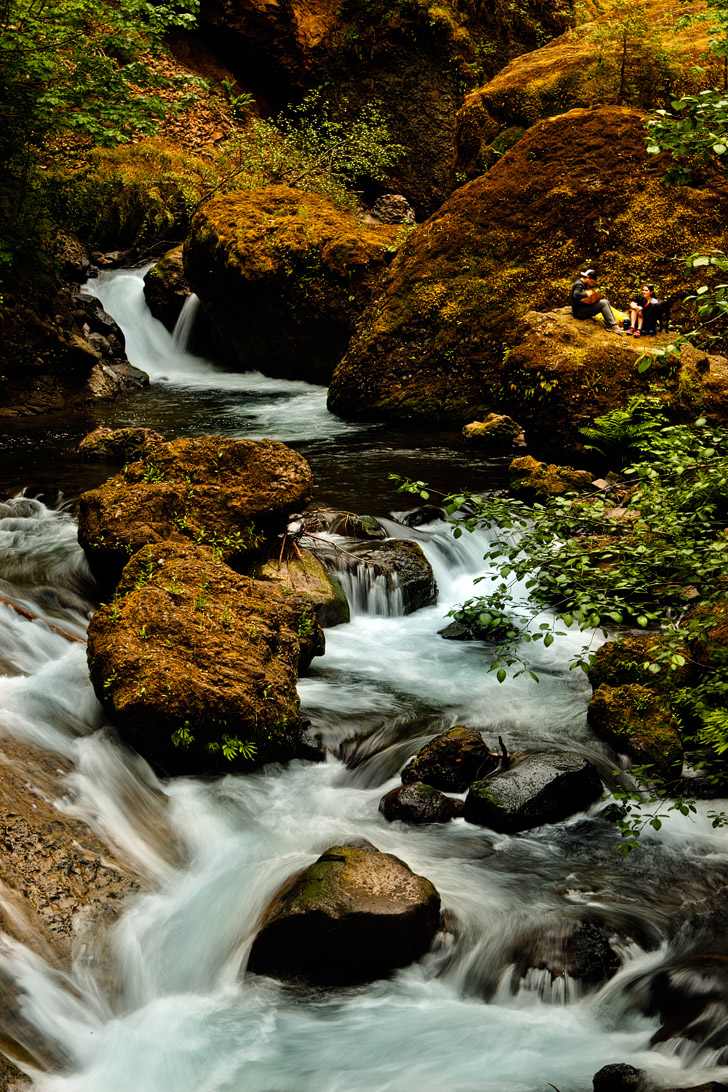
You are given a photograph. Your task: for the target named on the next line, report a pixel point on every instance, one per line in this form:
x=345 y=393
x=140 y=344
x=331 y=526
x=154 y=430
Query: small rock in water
x=451 y=761
x=538 y=788
x=618 y=1078
x=353 y=916
x=419 y=803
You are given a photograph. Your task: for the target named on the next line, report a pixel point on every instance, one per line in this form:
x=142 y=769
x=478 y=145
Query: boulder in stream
x=231 y=495
x=537 y=788
x=566 y=948
x=395 y=572
x=419 y=803
x=122 y=444
x=197 y=665
x=636 y=720
x=305 y=575
x=619 y=1077
x=166 y=288
x=451 y=761
x=353 y=916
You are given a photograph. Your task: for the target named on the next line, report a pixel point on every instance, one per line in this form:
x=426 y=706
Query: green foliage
x=622 y=433
x=694 y=132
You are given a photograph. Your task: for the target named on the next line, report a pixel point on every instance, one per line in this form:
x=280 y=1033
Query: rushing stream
x=162 y=1003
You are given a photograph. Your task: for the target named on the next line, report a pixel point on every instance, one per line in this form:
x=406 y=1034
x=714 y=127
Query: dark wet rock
x=191 y=657
x=579 y=949
x=233 y=495
x=426 y=513
x=354 y=915
x=419 y=803
x=533 y=480
x=537 y=788
x=458 y=631
x=122 y=444
x=399 y=565
x=392 y=208
x=636 y=721
x=310 y=748
x=619 y=1077
x=166 y=289
x=451 y=761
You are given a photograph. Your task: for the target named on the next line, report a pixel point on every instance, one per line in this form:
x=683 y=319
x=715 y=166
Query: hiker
x=642 y=316
x=586 y=301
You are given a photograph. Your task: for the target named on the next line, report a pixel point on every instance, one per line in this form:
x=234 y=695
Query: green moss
x=635 y=719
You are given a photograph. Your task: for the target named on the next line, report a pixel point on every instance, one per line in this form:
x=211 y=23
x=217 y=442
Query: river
x=162 y=1003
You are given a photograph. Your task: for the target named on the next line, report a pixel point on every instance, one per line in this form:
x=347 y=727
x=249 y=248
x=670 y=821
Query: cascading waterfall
x=161 y=1003
x=184 y=326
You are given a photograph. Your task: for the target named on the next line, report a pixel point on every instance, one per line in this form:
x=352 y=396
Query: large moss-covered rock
x=354 y=915
x=635 y=720
x=537 y=788
x=635 y=659
x=282 y=276
x=191 y=657
x=305 y=575
x=660 y=64
x=122 y=444
x=228 y=494
x=451 y=761
x=534 y=480
x=513 y=240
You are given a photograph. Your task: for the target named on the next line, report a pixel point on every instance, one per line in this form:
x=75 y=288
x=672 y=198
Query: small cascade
x=368 y=590
x=182 y=333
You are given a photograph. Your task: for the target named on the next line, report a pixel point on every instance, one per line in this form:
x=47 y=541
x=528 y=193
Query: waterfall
x=185 y=323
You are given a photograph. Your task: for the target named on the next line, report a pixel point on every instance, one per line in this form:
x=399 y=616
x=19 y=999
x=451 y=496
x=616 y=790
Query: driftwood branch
x=36 y=618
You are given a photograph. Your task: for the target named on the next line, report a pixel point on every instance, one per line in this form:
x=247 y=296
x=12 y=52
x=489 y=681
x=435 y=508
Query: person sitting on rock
x=642 y=317
x=587 y=302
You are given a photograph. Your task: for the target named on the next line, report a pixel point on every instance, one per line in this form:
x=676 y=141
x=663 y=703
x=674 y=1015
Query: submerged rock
x=197 y=665
x=574 y=948
x=635 y=720
x=354 y=915
x=229 y=494
x=451 y=761
x=538 y=788
x=419 y=803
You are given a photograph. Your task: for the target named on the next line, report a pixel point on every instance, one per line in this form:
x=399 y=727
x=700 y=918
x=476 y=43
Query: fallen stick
x=36 y=618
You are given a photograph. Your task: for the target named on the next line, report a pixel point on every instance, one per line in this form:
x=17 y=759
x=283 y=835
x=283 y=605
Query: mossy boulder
x=305 y=575
x=118 y=444
x=283 y=276
x=431 y=347
x=496 y=430
x=586 y=60
x=451 y=761
x=166 y=288
x=354 y=915
x=190 y=657
x=635 y=720
x=634 y=659
x=232 y=495
x=537 y=788
x=419 y=803
x=533 y=480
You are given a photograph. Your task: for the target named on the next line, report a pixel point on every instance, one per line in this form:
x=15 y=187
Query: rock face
x=451 y=761
x=192 y=660
x=634 y=719
x=354 y=915
x=228 y=494
x=166 y=288
x=282 y=276
x=533 y=480
x=122 y=444
x=413 y=60
x=431 y=346
x=536 y=789
x=419 y=803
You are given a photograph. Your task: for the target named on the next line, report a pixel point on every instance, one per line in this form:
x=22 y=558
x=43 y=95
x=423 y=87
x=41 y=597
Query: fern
x=622 y=432
x=713 y=732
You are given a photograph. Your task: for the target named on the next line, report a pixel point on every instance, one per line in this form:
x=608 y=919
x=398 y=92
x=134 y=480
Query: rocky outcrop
x=354 y=915
x=431 y=347
x=166 y=288
x=413 y=60
x=197 y=665
x=228 y=494
x=304 y=574
x=419 y=803
x=118 y=444
x=637 y=721
x=535 y=481
x=553 y=79
x=537 y=788
x=282 y=276
x=451 y=761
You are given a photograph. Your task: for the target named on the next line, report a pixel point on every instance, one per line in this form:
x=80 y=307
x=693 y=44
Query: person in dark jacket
x=587 y=301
